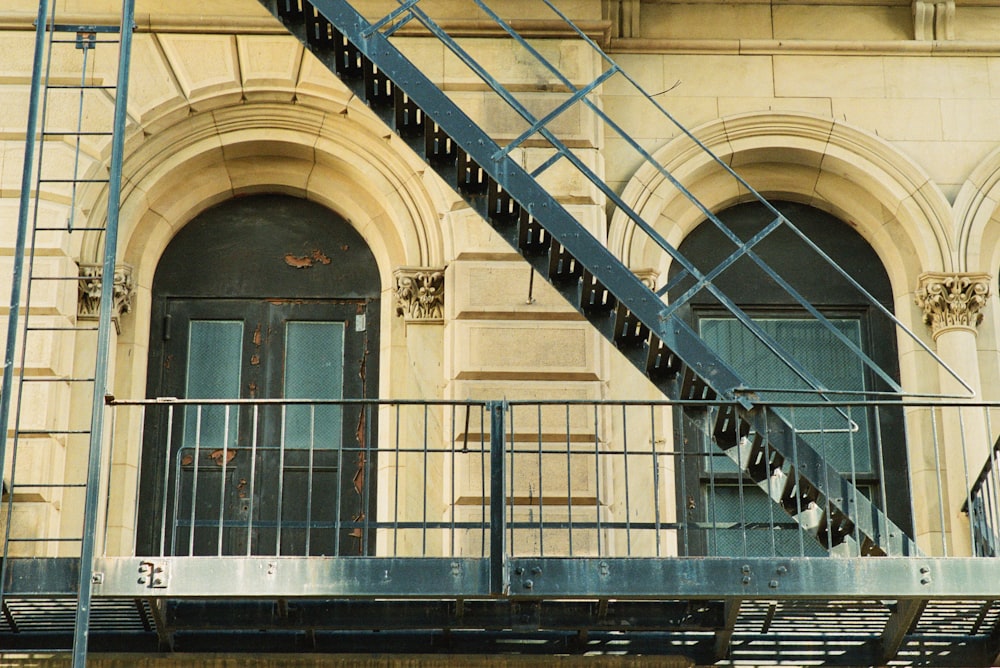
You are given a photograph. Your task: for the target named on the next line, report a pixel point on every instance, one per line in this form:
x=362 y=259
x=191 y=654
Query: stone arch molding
x=832 y=166
x=338 y=159
x=977 y=217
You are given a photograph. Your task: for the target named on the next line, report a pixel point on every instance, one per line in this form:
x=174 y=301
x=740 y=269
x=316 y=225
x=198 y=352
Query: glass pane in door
x=314 y=369
x=213 y=372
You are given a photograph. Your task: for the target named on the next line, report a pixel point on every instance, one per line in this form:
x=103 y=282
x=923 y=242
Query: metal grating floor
x=781 y=632
x=54 y=616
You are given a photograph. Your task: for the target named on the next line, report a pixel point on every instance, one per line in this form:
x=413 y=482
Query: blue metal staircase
x=627 y=312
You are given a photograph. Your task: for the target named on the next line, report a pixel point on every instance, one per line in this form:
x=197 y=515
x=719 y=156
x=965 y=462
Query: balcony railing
x=548 y=479
x=521 y=521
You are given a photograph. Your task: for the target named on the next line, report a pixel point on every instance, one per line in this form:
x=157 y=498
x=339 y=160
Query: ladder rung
x=90 y=43
x=72 y=180
x=77 y=134
x=61 y=329
x=55 y=379
x=47 y=485
x=80 y=87
x=52 y=432
x=64 y=228
x=14 y=539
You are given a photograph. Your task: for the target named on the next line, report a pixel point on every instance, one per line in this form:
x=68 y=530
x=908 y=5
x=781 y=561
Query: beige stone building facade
x=878 y=119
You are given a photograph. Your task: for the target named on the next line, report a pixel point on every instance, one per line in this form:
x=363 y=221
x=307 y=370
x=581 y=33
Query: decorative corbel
x=89 y=294
x=952 y=300
x=933 y=20
x=648 y=277
x=420 y=293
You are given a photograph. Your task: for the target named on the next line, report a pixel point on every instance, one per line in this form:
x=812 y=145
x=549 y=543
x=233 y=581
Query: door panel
x=265 y=479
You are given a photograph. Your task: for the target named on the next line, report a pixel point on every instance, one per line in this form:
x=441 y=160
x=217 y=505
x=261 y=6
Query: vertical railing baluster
x=194 y=478
x=541 y=493
x=705 y=453
x=110 y=469
x=851 y=430
x=423 y=520
x=965 y=470
x=166 y=488
x=597 y=479
x=395 y=493
x=279 y=510
x=452 y=492
x=222 y=479
x=310 y=472
x=253 y=475
x=484 y=475
x=569 y=484
x=940 y=484
x=498 y=575
x=740 y=445
x=656 y=478
x=883 y=493
x=135 y=497
x=628 y=505
x=680 y=456
x=797 y=483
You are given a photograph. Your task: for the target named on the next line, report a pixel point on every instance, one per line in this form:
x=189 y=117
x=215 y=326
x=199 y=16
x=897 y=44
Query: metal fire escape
x=760 y=440
x=82 y=116
x=627 y=312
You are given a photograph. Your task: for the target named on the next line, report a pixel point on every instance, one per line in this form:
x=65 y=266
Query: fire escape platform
x=855 y=611
x=696 y=578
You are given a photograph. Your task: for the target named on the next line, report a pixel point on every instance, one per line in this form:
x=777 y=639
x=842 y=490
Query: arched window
x=873 y=456
x=261 y=297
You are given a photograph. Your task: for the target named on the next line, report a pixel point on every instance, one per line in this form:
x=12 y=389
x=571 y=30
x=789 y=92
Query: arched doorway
x=261 y=297
x=738 y=519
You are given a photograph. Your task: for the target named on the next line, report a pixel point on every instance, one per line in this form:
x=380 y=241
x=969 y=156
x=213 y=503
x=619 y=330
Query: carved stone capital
x=89 y=296
x=420 y=293
x=952 y=300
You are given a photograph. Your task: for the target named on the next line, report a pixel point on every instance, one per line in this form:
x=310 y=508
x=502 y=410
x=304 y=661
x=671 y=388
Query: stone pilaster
x=953 y=307
x=89 y=295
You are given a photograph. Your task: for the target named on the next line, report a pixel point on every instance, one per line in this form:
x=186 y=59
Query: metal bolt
x=518 y=571
x=97 y=578
x=536 y=570
x=528 y=584
x=782 y=570
x=746 y=579
x=925 y=570
x=925 y=580
x=745 y=569
x=773 y=584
